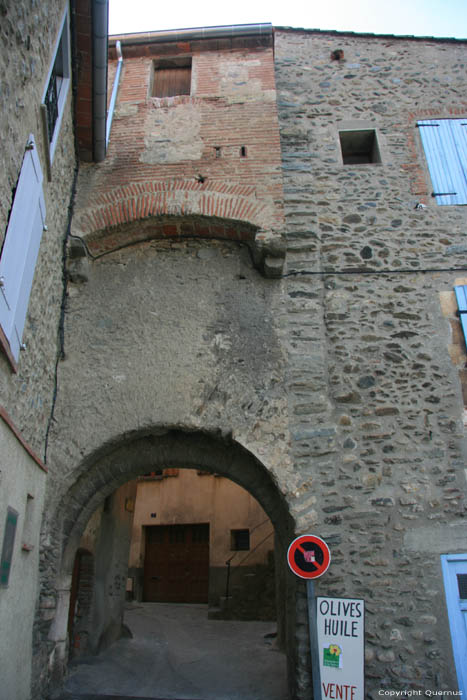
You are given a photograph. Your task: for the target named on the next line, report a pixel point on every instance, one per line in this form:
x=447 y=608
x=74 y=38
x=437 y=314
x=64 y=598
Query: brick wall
x=183 y=155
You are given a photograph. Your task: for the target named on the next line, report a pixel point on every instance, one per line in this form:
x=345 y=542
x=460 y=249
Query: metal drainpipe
x=100 y=23
x=113 y=99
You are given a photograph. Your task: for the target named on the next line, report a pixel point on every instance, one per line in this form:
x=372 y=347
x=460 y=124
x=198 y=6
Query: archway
x=137 y=454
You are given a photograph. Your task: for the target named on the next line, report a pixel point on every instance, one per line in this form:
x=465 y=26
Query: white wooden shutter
x=21 y=247
x=445 y=145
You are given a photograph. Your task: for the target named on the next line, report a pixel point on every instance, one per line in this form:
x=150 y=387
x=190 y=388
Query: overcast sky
x=445 y=18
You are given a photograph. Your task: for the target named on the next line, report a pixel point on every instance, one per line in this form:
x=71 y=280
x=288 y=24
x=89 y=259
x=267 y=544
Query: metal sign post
x=314 y=649
x=337 y=626
x=309 y=557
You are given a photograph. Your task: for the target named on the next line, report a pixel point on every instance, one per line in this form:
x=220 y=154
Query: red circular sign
x=308 y=556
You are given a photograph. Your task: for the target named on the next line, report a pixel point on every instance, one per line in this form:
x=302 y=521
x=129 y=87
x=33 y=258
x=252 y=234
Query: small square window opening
x=239 y=540
x=359 y=147
x=172 y=77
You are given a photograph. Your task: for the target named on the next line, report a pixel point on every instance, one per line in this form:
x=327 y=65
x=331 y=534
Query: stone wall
x=164 y=336
x=375 y=401
x=111 y=566
x=28 y=36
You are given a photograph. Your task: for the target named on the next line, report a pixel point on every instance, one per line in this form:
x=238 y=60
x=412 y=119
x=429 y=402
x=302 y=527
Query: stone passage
x=177 y=651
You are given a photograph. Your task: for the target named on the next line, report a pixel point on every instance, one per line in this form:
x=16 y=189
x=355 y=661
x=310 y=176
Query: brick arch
x=129 y=214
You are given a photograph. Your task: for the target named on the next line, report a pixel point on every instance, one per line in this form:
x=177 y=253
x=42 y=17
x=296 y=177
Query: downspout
x=113 y=99
x=100 y=23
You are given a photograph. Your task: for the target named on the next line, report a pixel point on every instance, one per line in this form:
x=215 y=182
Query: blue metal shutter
x=21 y=248
x=445 y=145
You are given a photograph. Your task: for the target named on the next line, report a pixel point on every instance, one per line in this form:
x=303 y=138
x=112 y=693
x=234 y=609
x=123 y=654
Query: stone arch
x=103 y=474
x=117 y=464
x=129 y=214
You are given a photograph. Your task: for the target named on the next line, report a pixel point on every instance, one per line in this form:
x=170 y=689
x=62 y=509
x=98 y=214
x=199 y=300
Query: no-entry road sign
x=308 y=556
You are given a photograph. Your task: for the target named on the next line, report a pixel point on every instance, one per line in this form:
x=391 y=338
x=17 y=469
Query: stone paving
x=176 y=653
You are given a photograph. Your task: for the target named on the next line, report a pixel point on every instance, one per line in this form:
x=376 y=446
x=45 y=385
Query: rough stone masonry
x=333 y=393
x=375 y=407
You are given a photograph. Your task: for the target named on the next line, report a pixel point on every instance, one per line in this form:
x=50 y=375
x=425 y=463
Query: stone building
x=260 y=285
x=226 y=542
x=173 y=355
x=37 y=180
x=376 y=361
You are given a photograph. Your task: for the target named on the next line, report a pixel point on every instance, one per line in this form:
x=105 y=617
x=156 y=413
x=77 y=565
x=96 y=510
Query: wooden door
x=176 y=564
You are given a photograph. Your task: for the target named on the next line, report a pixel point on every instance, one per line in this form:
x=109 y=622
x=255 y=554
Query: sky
x=442 y=18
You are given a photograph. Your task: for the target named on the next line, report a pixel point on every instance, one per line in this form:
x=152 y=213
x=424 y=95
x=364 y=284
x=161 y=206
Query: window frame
x=365 y=125
x=62 y=44
x=175 y=63
x=450 y=563
x=8 y=546
x=236 y=536
x=360 y=135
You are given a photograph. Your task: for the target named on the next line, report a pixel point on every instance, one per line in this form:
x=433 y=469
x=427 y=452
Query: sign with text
x=340 y=632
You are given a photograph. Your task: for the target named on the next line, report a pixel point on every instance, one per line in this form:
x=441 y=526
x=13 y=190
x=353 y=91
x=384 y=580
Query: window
x=8 y=545
x=20 y=250
x=461 y=296
x=58 y=82
x=454 y=568
x=359 y=146
x=172 y=77
x=445 y=144
x=239 y=540
x=462 y=586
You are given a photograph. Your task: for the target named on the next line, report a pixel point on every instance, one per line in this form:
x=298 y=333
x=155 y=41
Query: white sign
x=340 y=632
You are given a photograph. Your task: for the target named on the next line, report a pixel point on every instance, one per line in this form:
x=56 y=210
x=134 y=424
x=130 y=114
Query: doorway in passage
x=176 y=563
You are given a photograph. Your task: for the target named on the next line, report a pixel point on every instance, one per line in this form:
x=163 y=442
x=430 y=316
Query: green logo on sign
x=332 y=656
